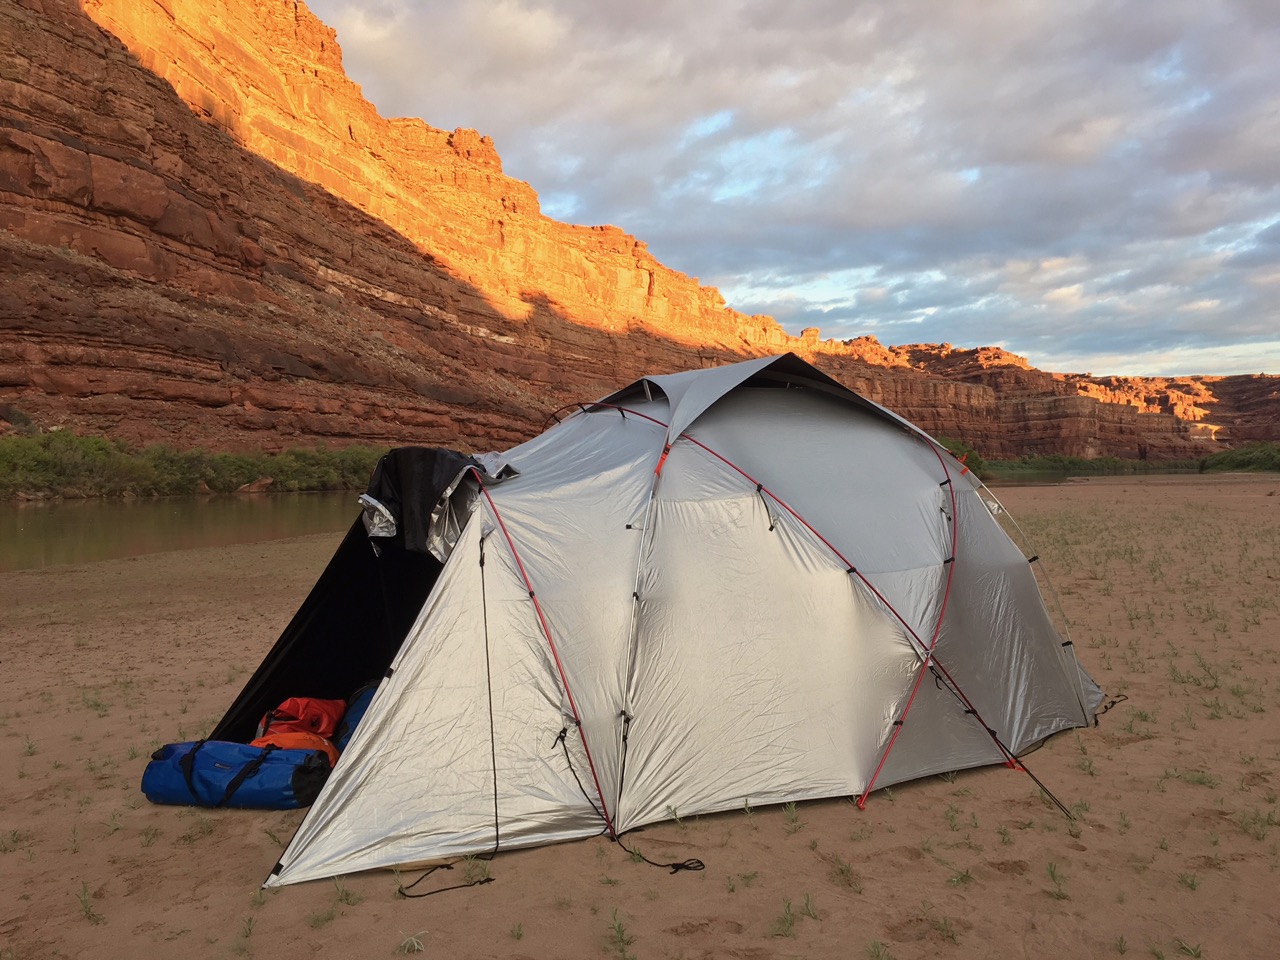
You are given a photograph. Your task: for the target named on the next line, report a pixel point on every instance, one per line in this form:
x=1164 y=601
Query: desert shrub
x=1261 y=455
x=1057 y=463
x=60 y=463
x=963 y=451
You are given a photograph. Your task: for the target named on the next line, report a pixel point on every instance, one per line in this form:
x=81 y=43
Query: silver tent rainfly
x=744 y=583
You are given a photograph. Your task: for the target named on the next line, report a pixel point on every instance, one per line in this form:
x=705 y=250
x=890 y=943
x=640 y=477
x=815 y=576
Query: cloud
x=1070 y=180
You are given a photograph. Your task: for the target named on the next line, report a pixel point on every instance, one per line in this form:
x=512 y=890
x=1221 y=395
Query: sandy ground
x=1172 y=586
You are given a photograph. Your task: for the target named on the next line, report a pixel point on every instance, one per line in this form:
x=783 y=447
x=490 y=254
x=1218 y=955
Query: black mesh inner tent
x=345 y=634
x=348 y=630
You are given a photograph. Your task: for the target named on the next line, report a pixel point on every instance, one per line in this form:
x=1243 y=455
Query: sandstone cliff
x=209 y=237
x=1229 y=410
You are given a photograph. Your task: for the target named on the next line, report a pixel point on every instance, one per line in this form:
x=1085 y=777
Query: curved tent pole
x=929 y=660
x=546 y=631
x=928 y=657
x=933 y=641
x=926 y=654
x=849 y=567
x=761 y=488
x=555 y=414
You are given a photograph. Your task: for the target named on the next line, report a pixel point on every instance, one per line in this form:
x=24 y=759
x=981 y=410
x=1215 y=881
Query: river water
x=82 y=531
x=39 y=534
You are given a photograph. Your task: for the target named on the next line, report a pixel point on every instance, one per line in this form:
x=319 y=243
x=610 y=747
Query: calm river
x=80 y=531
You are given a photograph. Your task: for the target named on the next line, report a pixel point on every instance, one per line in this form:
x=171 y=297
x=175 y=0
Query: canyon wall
x=210 y=238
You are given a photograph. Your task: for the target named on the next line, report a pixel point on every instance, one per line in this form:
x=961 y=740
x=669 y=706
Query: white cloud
x=1209 y=361
x=1003 y=165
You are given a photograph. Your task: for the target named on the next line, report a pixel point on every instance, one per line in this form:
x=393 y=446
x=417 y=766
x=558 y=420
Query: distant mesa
x=209 y=235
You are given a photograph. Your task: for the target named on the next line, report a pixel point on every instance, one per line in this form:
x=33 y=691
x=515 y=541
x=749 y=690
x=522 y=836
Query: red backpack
x=304 y=715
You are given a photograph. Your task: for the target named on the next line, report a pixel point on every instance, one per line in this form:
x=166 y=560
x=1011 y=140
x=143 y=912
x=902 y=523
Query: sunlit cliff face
x=262 y=260
x=271 y=76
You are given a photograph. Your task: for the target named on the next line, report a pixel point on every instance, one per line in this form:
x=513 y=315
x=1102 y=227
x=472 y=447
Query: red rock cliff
x=270 y=75
x=210 y=237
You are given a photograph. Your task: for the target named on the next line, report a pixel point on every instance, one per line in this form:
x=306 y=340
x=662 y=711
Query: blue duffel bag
x=219 y=773
x=357 y=705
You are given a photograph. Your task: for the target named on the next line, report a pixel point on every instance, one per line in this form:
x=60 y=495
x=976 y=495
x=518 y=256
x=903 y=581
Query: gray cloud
x=1072 y=181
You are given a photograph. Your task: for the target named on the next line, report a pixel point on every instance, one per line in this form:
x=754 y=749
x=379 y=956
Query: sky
x=1092 y=185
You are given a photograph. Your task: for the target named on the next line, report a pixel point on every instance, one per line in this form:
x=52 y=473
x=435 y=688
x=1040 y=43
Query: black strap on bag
x=247 y=771
x=188 y=763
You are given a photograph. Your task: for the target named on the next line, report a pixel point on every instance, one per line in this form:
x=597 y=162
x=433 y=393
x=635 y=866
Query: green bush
x=1067 y=466
x=63 y=464
x=1259 y=456
x=965 y=453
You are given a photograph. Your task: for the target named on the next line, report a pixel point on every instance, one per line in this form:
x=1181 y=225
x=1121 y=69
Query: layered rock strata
x=210 y=238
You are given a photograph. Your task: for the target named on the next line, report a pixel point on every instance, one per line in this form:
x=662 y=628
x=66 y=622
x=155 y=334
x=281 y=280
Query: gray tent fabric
x=742 y=584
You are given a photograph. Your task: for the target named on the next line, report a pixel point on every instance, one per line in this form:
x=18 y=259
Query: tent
x=744 y=584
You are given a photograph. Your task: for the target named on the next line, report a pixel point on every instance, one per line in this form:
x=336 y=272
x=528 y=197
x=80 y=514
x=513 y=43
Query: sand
x=1172 y=587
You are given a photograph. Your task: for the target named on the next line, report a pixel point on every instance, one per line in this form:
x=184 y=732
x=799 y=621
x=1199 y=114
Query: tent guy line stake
x=546 y=632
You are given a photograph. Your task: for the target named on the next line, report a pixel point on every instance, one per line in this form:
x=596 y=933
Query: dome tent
x=738 y=584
